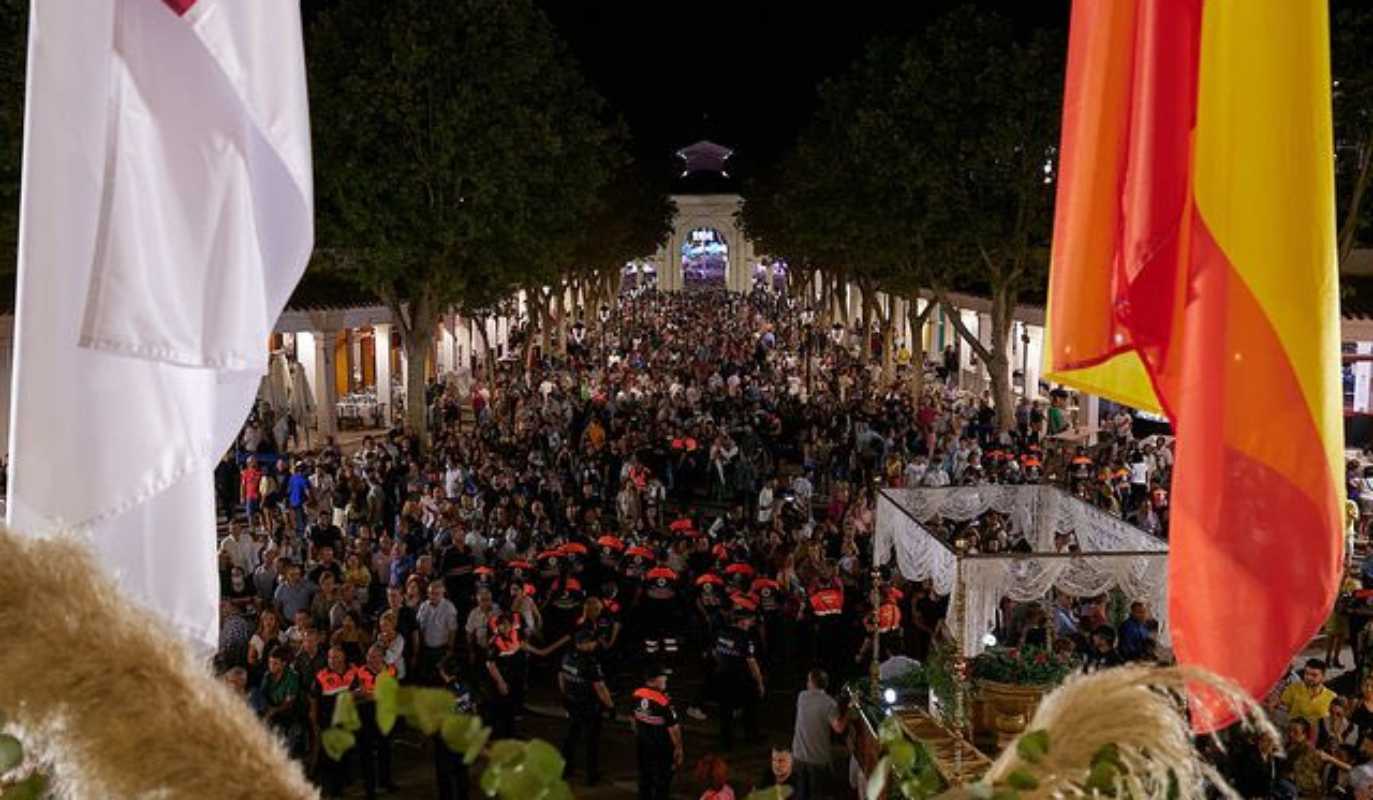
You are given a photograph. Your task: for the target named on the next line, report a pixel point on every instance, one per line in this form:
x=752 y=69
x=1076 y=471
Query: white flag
x=166 y=217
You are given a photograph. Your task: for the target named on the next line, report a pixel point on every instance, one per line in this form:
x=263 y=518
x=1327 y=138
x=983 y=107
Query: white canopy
x=1112 y=553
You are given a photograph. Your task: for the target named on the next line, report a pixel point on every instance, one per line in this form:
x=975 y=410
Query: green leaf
x=458 y=730
x=902 y=755
x=1033 y=746
x=505 y=751
x=1109 y=753
x=387 y=696
x=474 y=747
x=34 y=787
x=1022 y=780
x=544 y=759
x=877 y=781
x=1102 y=778
x=891 y=731
x=346 y=713
x=429 y=708
x=492 y=778
x=559 y=790
x=11 y=752
x=1006 y=794
x=336 y=741
x=981 y=791
x=523 y=783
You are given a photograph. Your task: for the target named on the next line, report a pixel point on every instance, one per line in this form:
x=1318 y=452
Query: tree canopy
x=457 y=148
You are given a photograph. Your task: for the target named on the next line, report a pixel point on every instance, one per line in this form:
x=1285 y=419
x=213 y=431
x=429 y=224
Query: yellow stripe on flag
x=1263 y=177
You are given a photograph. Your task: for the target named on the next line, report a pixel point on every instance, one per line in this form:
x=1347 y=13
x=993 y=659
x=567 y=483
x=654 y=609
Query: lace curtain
x=1113 y=554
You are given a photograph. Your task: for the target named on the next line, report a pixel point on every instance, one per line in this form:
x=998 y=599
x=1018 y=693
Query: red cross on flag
x=166 y=217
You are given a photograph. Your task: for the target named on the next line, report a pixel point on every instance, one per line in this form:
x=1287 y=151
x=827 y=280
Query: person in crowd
x=781 y=771
x=587 y=699
x=659 y=736
x=1308 y=699
x=437 y=619
x=712 y=772
x=337 y=678
x=818 y=718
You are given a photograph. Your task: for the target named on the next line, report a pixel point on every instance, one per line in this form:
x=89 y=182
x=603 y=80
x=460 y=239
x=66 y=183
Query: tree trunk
x=417 y=349
x=999 y=362
x=1350 y=226
x=488 y=355
x=918 y=345
x=560 y=319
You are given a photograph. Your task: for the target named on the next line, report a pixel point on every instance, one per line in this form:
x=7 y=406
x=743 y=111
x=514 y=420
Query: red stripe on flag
x=180 y=6
x=1253 y=550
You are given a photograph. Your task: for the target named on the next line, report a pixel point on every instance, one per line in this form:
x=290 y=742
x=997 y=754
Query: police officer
x=334 y=680
x=505 y=671
x=738 y=678
x=659 y=735
x=374 y=747
x=583 y=687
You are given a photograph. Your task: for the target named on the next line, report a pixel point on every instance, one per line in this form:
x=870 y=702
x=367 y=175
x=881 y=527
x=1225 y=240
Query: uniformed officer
x=825 y=602
x=374 y=747
x=659 y=735
x=738 y=678
x=505 y=671
x=335 y=679
x=583 y=686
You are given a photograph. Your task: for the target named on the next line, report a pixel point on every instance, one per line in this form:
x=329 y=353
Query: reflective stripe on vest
x=332 y=683
x=827 y=602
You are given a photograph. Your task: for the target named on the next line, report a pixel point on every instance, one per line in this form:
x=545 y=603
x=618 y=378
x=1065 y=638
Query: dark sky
x=742 y=74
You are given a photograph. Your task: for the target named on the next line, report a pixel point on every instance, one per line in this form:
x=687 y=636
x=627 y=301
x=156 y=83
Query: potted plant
x=1009 y=682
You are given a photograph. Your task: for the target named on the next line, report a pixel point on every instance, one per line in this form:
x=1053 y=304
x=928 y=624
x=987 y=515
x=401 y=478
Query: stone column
x=381 y=352
x=1363 y=377
x=1036 y=354
x=326 y=419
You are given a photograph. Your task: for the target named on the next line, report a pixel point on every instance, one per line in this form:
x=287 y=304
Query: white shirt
x=765 y=505
x=437 y=623
x=478 y=626
x=242 y=551
x=1139 y=473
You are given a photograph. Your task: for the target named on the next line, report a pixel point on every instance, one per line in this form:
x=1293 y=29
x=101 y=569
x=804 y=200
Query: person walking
x=818 y=716
x=659 y=735
x=739 y=679
x=584 y=691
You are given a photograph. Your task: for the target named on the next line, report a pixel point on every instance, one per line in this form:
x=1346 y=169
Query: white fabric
x=165 y=219
x=1113 y=554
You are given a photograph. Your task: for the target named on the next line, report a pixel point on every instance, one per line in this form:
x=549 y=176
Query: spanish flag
x=1194 y=272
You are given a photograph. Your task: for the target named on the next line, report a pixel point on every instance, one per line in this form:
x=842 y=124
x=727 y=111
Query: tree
x=457 y=148
x=992 y=123
x=1352 y=68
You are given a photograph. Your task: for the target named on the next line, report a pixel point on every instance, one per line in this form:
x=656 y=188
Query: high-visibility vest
x=332 y=683
x=827 y=601
x=888 y=618
x=369 y=681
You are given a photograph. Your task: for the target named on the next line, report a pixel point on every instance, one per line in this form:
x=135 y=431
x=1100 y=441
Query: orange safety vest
x=827 y=601
x=332 y=683
x=369 y=681
x=888 y=618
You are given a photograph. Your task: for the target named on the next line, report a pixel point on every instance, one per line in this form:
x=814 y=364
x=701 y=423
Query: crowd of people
x=690 y=487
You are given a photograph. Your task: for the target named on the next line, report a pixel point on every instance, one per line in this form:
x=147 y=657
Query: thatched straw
x=1138 y=709
x=115 y=707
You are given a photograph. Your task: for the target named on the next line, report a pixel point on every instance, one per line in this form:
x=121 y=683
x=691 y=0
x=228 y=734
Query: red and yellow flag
x=1194 y=272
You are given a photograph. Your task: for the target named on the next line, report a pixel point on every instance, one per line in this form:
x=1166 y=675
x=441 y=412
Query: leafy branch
x=515 y=770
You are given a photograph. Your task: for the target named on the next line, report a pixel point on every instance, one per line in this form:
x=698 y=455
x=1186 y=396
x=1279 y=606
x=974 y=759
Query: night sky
x=741 y=74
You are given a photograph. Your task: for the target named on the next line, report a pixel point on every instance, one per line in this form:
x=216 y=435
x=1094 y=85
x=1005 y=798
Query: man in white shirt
x=241 y=548
x=765 y=502
x=478 y=622
x=438 y=624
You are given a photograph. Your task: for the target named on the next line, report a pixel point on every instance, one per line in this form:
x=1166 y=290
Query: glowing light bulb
x=889 y=696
